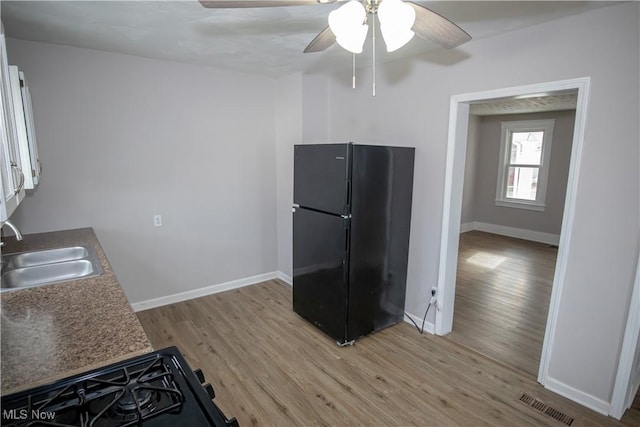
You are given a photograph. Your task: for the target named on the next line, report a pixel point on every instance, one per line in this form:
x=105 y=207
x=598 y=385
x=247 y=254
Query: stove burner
x=151 y=390
x=134 y=398
x=122 y=397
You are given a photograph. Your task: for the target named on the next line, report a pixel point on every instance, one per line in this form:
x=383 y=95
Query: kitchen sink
x=36 y=268
x=29 y=259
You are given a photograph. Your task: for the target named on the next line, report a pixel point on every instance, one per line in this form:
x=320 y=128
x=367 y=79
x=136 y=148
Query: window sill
x=520 y=205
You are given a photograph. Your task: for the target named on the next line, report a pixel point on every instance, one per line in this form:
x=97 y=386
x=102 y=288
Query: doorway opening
x=516 y=169
x=454 y=183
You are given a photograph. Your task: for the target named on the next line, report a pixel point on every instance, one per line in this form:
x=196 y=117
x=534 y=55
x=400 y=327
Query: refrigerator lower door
x=320 y=248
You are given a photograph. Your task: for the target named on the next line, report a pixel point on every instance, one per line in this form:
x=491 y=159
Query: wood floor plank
x=271 y=367
x=502 y=297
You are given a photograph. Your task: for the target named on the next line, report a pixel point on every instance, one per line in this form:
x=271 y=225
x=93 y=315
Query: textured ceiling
x=534 y=104
x=267 y=41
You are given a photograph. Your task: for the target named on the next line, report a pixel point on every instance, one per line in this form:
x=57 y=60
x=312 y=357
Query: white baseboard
x=285 y=278
x=428 y=326
x=466 y=226
x=518 y=233
x=200 y=292
x=577 y=396
x=234 y=284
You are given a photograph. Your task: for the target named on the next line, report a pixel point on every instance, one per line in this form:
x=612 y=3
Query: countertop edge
x=74 y=293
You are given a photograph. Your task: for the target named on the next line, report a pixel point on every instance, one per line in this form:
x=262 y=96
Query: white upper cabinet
x=26 y=133
x=13 y=179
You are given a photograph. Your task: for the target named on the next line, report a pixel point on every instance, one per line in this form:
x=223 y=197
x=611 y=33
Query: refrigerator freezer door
x=322 y=174
x=320 y=244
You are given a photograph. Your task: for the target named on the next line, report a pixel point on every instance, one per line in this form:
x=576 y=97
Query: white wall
x=315 y=109
x=411 y=107
x=123 y=138
x=288 y=133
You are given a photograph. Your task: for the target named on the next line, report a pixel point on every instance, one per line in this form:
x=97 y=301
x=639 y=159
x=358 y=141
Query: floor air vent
x=546 y=409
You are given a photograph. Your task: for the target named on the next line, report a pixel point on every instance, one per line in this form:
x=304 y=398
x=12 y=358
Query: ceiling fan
x=348 y=25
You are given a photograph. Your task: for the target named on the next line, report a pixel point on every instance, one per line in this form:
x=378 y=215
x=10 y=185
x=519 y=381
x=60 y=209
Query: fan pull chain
x=373 y=25
x=353 y=78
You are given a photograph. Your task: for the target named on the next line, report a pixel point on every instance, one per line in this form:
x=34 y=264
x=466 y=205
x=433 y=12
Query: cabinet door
x=22 y=127
x=36 y=165
x=8 y=197
x=12 y=177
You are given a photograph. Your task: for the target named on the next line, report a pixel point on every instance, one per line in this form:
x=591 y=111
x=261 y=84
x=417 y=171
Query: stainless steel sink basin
x=28 y=259
x=36 y=268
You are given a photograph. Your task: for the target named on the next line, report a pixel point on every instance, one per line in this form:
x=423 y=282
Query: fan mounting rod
x=371 y=6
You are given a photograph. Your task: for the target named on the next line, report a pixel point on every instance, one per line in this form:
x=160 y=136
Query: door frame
x=626 y=385
x=452 y=206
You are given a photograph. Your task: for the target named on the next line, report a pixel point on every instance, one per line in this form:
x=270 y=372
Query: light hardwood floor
x=503 y=290
x=272 y=368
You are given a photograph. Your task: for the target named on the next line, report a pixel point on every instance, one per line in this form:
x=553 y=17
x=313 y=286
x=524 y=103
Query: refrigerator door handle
x=346 y=239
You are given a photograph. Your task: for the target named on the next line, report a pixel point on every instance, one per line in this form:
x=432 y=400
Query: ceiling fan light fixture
x=396 y=20
x=395 y=38
x=348 y=25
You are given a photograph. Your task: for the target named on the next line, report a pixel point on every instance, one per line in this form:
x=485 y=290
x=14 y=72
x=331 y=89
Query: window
x=525 y=149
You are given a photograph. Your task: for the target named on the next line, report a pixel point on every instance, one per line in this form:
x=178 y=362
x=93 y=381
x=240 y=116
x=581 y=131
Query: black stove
x=152 y=390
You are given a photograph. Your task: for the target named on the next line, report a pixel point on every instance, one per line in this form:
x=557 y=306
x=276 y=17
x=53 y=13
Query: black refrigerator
x=351 y=223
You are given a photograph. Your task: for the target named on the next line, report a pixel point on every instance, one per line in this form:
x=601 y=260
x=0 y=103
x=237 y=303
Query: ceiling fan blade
x=236 y=4
x=322 y=41
x=436 y=28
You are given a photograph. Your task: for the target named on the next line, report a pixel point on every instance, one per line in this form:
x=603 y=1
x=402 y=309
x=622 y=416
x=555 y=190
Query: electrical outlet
x=157 y=220
x=433 y=299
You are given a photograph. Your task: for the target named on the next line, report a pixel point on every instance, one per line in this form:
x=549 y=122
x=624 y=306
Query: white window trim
x=505 y=138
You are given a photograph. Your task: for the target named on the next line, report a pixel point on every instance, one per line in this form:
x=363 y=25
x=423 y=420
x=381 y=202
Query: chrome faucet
x=13 y=227
x=16 y=231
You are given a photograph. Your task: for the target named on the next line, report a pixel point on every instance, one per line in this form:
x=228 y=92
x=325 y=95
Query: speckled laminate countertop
x=54 y=331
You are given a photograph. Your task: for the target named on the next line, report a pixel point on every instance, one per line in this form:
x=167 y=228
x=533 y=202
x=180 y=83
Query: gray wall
x=416 y=94
x=470 y=170
x=483 y=151
x=123 y=138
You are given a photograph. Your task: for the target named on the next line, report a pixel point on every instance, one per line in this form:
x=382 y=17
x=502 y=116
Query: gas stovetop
x=156 y=389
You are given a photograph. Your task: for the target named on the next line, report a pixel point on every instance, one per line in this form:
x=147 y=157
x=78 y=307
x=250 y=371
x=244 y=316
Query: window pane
x=522 y=183
x=526 y=148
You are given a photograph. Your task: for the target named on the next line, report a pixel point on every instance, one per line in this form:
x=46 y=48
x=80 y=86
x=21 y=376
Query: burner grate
x=122 y=397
